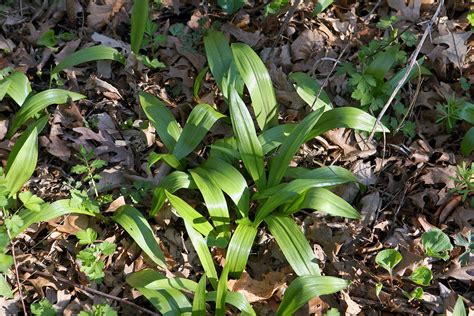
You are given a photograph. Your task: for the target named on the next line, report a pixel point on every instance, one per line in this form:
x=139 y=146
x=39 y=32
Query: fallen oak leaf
x=255 y=290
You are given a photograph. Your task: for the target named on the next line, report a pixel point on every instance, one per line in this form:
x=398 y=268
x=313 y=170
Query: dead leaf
x=255 y=290
x=409 y=12
x=370 y=205
x=440 y=175
x=306 y=44
x=457 y=50
x=253 y=39
x=100 y=15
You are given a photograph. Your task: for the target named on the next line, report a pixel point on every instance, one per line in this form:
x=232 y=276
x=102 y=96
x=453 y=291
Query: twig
x=17 y=275
x=88 y=289
x=413 y=58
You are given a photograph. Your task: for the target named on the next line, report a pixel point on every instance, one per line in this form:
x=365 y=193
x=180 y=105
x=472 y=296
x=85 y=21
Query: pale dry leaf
x=253 y=39
x=440 y=175
x=409 y=12
x=255 y=290
x=100 y=15
x=457 y=49
x=370 y=205
x=306 y=44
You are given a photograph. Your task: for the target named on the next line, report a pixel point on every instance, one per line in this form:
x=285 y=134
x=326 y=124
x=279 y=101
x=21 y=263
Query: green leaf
x=308 y=88
x=198 y=81
x=231 y=181
x=88 y=54
x=422 y=276
x=31 y=201
x=168 y=158
x=436 y=244
x=239 y=248
x=50 y=211
x=199 y=122
x=415 y=71
x=172 y=183
x=214 y=199
x=416 y=294
x=138 y=228
x=378 y=289
x=459 y=309
x=162 y=119
x=38 y=102
x=190 y=215
x=321 y=5
x=325 y=201
x=167 y=302
x=14 y=224
x=48 y=39
x=327 y=176
x=388 y=259
x=5 y=288
x=139 y=19
x=466 y=113
x=219 y=56
x=259 y=84
x=467 y=143
x=23 y=157
x=180 y=284
x=6 y=261
x=199 y=301
x=221 y=292
x=87 y=236
x=247 y=141
x=205 y=257
x=279 y=163
x=304 y=288
x=293 y=244
x=17 y=86
x=235 y=299
x=382 y=63
x=43 y=308
x=231 y=6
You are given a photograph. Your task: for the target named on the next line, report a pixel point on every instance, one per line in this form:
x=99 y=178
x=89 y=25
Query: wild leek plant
x=251 y=168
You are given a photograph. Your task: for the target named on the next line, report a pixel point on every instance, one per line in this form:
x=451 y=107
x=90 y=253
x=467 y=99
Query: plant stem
x=17 y=276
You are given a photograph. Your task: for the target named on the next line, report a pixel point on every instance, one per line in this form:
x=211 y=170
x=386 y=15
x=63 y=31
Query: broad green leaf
x=198 y=82
x=388 y=259
x=136 y=225
x=382 y=63
x=347 y=117
x=304 y=288
x=6 y=262
x=23 y=157
x=328 y=176
x=38 y=102
x=5 y=288
x=162 y=119
x=231 y=6
x=279 y=163
x=247 y=141
x=259 y=84
x=31 y=201
x=205 y=257
x=466 y=113
x=190 y=215
x=168 y=158
x=323 y=200
x=422 y=276
x=88 y=54
x=87 y=236
x=221 y=292
x=173 y=182
x=308 y=88
x=214 y=199
x=467 y=143
x=231 y=181
x=293 y=244
x=459 y=309
x=275 y=136
x=17 y=86
x=239 y=248
x=219 y=56
x=416 y=294
x=436 y=244
x=321 y=5
x=235 y=299
x=199 y=300
x=50 y=211
x=225 y=149
x=180 y=284
x=169 y=302
x=139 y=19
x=199 y=122
x=415 y=71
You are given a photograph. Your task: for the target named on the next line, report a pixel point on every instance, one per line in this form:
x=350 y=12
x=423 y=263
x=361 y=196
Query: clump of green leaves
x=50 y=40
x=416 y=294
x=88 y=167
x=100 y=310
x=422 y=276
x=436 y=244
x=464 y=180
x=468 y=243
x=91 y=257
x=43 y=308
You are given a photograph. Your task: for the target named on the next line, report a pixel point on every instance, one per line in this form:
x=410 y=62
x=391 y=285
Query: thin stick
x=88 y=289
x=413 y=58
x=17 y=276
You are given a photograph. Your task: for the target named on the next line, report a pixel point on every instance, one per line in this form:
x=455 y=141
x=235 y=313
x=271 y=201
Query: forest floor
x=408 y=178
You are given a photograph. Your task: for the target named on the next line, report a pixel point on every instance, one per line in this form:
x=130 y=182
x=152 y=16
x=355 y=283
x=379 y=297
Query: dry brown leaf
x=457 y=50
x=440 y=175
x=253 y=39
x=409 y=12
x=306 y=44
x=255 y=290
x=100 y=15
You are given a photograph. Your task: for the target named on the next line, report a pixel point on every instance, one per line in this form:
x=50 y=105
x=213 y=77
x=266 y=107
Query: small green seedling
x=100 y=310
x=468 y=243
x=388 y=259
x=91 y=257
x=378 y=289
x=436 y=244
x=416 y=294
x=464 y=180
x=43 y=308
x=422 y=276
x=459 y=308
x=88 y=167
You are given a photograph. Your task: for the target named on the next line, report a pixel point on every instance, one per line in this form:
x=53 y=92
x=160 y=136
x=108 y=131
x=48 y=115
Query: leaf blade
x=88 y=54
